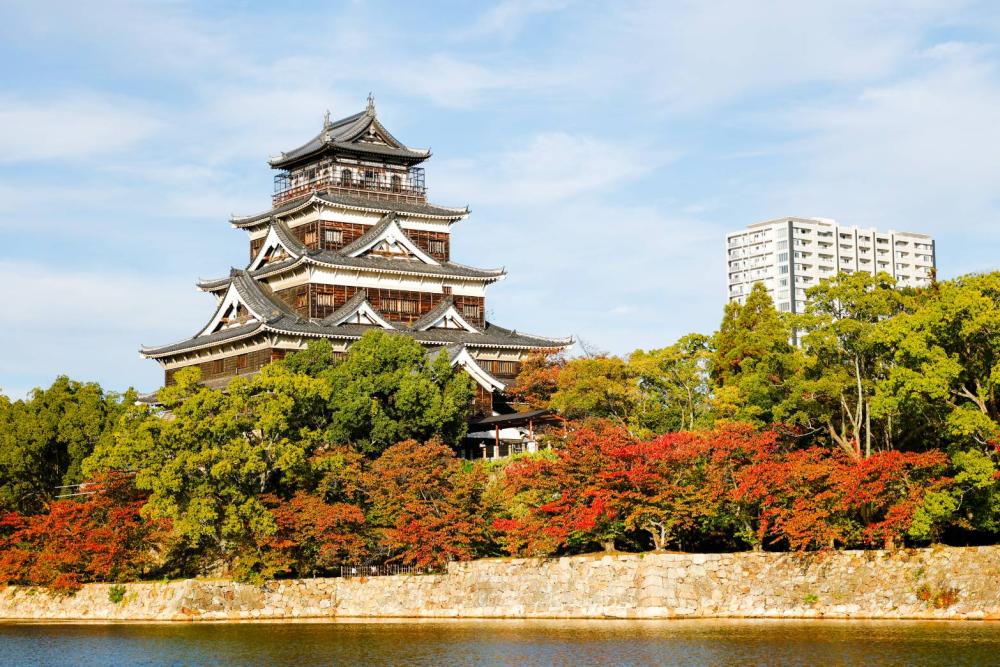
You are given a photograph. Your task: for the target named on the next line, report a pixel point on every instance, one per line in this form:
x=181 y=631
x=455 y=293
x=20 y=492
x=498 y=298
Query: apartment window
x=782 y=244
x=782 y=269
x=333 y=236
x=784 y=307
x=783 y=256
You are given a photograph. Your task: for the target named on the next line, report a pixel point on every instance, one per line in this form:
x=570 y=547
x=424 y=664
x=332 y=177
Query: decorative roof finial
x=371 y=103
x=326 y=118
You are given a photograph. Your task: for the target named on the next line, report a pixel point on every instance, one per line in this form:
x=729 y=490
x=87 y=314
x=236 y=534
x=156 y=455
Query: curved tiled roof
x=330 y=196
x=345 y=135
x=342 y=259
x=278 y=317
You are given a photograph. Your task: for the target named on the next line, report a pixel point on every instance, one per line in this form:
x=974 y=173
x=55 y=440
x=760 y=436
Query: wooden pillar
x=496 y=444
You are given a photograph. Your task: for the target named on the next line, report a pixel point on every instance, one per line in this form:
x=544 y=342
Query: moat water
x=575 y=643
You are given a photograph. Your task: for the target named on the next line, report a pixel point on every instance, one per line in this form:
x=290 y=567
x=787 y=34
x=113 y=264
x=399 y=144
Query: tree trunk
x=609 y=545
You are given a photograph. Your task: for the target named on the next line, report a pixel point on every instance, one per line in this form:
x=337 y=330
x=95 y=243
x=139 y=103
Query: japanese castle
x=351 y=243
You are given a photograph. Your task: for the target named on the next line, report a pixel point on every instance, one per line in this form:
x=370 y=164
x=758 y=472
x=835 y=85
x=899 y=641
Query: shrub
x=116 y=593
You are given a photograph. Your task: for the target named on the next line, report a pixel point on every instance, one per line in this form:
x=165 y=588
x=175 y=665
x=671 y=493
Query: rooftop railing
x=385 y=186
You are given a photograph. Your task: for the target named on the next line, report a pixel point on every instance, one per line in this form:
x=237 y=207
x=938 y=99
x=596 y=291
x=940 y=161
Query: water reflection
x=501 y=642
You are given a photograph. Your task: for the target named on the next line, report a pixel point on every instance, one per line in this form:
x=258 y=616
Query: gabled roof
x=348 y=257
x=458 y=355
x=357 y=307
x=491 y=336
x=331 y=196
x=359 y=133
x=444 y=309
x=389 y=232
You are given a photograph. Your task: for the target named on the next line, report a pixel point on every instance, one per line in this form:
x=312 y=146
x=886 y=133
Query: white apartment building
x=790 y=255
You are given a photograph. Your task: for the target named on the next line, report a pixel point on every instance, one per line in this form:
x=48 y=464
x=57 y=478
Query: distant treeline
x=871 y=420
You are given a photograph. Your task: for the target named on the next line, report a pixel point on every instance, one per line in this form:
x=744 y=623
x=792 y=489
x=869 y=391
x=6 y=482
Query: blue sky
x=604 y=148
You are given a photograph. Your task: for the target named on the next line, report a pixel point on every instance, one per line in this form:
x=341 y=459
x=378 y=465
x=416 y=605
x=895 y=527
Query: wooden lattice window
x=401 y=306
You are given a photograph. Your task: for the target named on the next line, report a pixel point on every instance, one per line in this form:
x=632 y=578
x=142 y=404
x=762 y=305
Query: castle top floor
x=355 y=155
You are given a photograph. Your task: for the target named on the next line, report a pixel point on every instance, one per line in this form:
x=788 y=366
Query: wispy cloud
x=549 y=168
x=70 y=127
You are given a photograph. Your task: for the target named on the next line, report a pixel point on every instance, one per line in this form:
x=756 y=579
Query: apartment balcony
x=379 y=185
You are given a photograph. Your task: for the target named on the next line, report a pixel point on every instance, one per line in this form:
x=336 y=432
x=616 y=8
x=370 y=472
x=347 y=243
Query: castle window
x=333 y=236
x=471 y=310
x=437 y=247
x=396 y=183
x=346 y=177
x=401 y=306
x=324 y=300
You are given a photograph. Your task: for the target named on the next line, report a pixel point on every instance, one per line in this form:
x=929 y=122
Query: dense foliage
x=870 y=421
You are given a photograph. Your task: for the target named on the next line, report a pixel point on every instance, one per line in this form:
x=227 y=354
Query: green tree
x=599 y=387
x=388 y=389
x=208 y=460
x=674 y=381
x=846 y=356
x=45 y=438
x=944 y=378
x=753 y=359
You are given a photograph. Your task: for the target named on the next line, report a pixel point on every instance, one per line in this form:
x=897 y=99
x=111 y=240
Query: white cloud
x=507 y=17
x=916 y=154
x=70 y=127
x=551 y=167
x=90 y=324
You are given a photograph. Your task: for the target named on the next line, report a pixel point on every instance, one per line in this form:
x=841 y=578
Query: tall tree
x=388 y=389
x=754 y=358
x=846 y=357
x=207 y=464
x=598 y=387
x=45 y=438
x=674 y=382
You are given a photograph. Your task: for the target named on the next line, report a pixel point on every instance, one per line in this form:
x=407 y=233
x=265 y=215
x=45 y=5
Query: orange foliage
x=102 y=537
x=314 y=535
x=427 y=507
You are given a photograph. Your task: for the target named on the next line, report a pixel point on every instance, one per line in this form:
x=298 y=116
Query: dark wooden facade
x=332 y=235
x=318 y=301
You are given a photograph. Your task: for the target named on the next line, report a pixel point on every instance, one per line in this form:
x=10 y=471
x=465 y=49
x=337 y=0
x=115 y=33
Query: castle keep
x=351 y=243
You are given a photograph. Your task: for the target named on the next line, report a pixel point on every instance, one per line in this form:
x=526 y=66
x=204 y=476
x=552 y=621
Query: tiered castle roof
x=385 y=204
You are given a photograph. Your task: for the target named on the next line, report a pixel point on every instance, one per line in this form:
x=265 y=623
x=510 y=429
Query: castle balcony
x=369 y=184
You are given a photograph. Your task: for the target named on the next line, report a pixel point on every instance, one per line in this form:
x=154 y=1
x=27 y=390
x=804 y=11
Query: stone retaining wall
x=959 y=583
